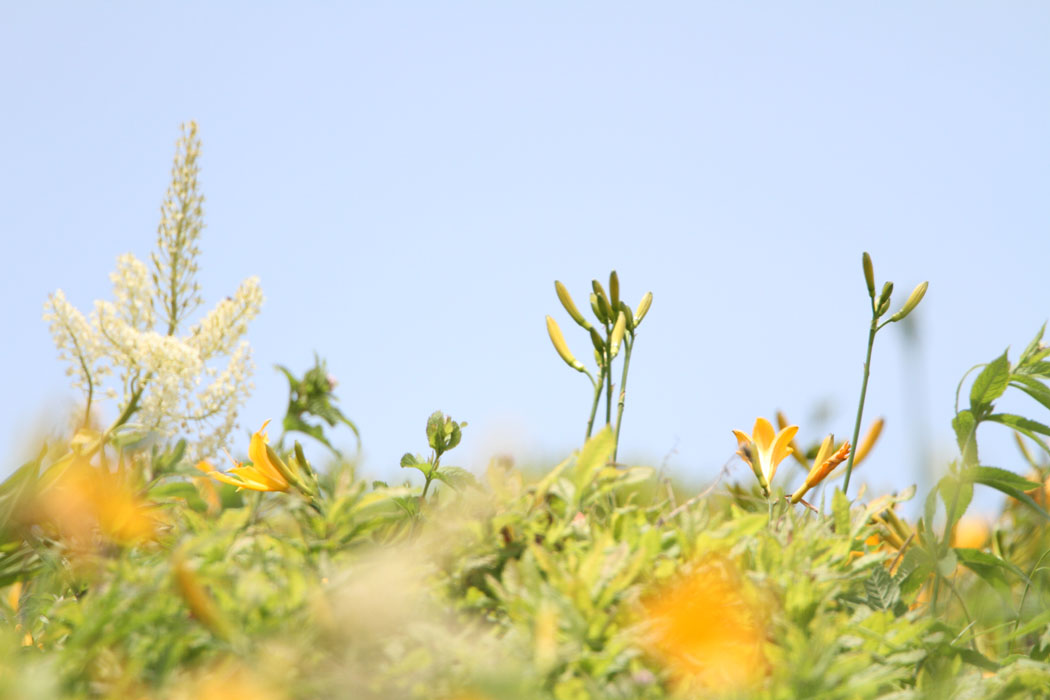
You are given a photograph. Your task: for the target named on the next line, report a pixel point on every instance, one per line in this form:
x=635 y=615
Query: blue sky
x=408 y=180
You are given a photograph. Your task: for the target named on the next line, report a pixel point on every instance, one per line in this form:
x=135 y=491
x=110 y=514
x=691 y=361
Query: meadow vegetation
x=137 y=560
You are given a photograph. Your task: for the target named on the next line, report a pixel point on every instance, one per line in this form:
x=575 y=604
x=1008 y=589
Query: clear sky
x=408 y=180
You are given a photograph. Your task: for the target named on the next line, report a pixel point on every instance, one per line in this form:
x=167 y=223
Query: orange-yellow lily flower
x=765 y=448
x=260 y=475
x=823 y=464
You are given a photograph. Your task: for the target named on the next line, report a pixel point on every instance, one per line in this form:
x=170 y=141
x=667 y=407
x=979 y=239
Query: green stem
x=430 y=477
x=860 y=405
x=623 y=395
x=597 y=398
x=608 y=385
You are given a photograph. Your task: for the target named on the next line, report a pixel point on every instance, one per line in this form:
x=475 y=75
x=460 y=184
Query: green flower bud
x=559 y=344
x=617 y=334
x=597 y=309
x=869 y=275
x=570 y=306
x=913 y=300
x=614 y=290
x=603 y=300
x=643 y=308
x=883 y=303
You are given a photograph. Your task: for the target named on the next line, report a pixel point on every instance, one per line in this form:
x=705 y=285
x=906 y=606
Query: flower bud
x=643 y=308
x=596 y=340
x=559 y=344
x=603 y=301
x=869 y=275
x=617 y=334
x=883 y=303
x=614 y=290
x=628 y=316
x=597 y=309
x=570 y=306
x=913 y=300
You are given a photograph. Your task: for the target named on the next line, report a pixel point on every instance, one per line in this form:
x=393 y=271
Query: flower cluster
x=172 y=384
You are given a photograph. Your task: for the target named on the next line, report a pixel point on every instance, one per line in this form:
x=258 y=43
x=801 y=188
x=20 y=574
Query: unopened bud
x=570 y=306
x=913 y=300
x=596 y=340
x=869 y=275
x=628 y=316
x=617 y=334
x=614 y=290
x=643 y=308
x=883 y=303
x=597 y=309
x=603 y=301
x=559 y=344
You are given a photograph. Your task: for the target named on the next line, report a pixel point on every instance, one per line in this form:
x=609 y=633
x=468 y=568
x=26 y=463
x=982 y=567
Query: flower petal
x=763 y=434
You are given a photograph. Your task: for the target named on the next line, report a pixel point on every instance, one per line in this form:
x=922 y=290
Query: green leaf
x=1027 y=427
x=991 y=568
x=965 y=426
x=1011 y=484
x=1033 y=387
x=947 y=563
x=456 y=477
x=990 y=384
x=436 y=431
x=1032 y=348
x=840 y=511
x=883 y=592
x=956 y=492
x=594 y=455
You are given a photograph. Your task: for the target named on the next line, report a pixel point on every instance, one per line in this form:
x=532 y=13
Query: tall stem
x=597 y=398
x=608 y=386
x=623 y=394
x=860 y=405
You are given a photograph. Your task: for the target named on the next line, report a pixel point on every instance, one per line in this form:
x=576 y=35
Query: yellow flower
x=823 y=464
x=971 y=532
x=260 y=475
x=87 y=499
x=764 y=449
x=709 y=629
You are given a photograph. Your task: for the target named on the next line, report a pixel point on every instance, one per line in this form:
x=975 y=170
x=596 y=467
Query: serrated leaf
x=456 y=477
x=991 y=568
x=1032 y=348
x=956 y=493
x=1033 y=387
x=883 y=592
x=990 y=384
x=1011 y=484
x=1026 y=426
x=965 y=426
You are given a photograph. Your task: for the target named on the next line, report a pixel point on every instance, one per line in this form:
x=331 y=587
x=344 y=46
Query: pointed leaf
x=1011 y=484
x=990 y=383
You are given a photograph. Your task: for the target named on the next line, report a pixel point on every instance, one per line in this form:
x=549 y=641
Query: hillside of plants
x=152 y=549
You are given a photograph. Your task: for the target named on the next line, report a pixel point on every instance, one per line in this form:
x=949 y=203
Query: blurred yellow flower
x=971 y=532
x=708 y=629
x=764 y=449
x=86 y=499
x=260 y=475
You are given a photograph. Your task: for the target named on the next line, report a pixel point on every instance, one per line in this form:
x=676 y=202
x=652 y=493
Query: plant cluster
x=133 y=565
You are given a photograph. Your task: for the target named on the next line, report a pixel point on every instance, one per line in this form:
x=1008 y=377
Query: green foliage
x=313 y=396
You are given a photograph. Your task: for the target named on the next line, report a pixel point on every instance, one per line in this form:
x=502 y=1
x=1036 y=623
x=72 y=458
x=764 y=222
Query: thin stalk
x=623 y=394
x=860 y=405
x=608 y=385
x=430 y=477
x=597 y=398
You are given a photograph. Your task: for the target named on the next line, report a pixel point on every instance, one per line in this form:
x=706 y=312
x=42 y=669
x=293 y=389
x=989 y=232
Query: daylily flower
x=261 y=475
x=764 y=449
x=823 y=464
